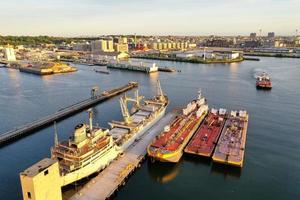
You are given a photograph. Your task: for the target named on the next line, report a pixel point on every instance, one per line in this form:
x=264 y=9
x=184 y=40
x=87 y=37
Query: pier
x=28 y=128
x=114 y=176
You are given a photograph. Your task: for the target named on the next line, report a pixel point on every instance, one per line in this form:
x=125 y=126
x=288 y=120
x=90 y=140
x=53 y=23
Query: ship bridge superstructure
x=84 y=144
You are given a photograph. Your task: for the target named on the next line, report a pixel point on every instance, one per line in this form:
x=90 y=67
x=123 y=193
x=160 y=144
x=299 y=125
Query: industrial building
x=103 y=45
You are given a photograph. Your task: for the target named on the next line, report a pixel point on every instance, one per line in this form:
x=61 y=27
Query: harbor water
x=272 y=156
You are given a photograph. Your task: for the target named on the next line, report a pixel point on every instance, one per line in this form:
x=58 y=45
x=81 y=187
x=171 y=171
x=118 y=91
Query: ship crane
x=124 y=109
x=160 y=92
x=136 y=98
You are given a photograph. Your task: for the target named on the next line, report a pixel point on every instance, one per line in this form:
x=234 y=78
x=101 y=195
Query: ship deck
x=179 y=130
x=204 y=141
x=231 y=146
x=112 y=177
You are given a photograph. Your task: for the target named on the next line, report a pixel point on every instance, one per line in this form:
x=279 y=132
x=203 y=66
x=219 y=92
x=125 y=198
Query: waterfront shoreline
x=194 y=60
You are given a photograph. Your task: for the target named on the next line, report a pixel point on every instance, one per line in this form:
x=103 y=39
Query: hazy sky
x=149 y=17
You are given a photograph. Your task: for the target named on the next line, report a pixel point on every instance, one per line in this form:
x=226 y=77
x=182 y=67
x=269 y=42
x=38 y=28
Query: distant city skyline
x=145 y=17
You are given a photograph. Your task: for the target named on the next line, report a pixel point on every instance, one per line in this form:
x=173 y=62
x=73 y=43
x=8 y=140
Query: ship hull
x=264 y=87
x=95 y=166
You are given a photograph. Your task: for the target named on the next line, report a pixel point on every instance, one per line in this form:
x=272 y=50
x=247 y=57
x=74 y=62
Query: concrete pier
x=21 y=131
x=111 y=178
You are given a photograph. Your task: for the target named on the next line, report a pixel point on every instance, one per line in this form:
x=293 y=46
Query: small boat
x=102 y=71
x=263 y=81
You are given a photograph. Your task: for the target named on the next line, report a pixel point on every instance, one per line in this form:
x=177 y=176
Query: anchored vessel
x=231 y=146
x=206 y=137
x=133 y=66
x=140 y=119
x=169 y=145
x=263 y=81
x=89 y=149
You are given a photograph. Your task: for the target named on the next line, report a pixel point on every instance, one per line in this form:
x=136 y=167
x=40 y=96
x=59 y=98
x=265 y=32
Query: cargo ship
x=231 y=145
x=168 y=145
x=263 y=81
x=142 y=117
x=89 y=149
x=206 y=137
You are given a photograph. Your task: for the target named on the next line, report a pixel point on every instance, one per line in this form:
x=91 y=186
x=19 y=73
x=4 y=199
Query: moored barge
x=206 y=137
x=231 y=145
x=168 y=145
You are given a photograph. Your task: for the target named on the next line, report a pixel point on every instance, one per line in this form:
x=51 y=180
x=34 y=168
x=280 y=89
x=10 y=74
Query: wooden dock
x=28 y=128
x=111 y=178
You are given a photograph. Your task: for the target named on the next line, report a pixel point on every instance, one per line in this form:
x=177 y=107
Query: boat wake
x=257 y=71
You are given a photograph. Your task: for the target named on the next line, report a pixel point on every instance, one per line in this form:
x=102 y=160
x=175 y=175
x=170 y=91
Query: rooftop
x=38 y=167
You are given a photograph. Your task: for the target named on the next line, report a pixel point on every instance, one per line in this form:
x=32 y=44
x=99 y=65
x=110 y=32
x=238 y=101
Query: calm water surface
x=272 y=163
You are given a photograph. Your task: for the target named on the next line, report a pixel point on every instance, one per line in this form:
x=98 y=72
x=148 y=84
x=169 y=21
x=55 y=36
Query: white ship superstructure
x=89 y=150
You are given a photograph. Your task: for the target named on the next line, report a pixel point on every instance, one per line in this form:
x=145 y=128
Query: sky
x=148 y=17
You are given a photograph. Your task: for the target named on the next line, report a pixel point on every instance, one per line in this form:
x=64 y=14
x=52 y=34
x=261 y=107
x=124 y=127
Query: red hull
x=180 y=129
x=206 y=137
x=264 y=84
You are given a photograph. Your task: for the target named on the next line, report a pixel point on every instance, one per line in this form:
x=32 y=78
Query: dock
x=107 y=182
x=28 y=128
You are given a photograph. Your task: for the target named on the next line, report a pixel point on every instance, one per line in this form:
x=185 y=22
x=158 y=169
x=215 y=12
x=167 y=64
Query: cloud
x=89 y=17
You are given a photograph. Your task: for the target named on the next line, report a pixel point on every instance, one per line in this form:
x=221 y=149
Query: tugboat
x=263 y=81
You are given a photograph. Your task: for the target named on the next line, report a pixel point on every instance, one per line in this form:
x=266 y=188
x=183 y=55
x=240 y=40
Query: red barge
x=206 y=137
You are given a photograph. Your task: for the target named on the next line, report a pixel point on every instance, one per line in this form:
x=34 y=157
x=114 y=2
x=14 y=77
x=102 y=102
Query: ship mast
x=199 y=94
x=55 y=135
x=160 y=93
x=90 y=118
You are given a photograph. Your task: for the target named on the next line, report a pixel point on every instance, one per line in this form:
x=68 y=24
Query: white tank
x=222 y=111
x=185 y=111
x=233 y=113
x=193 y=106
x=201 y=110
x=242 y=113
x=167 y=128
x=201 y=101
x=214 y=111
